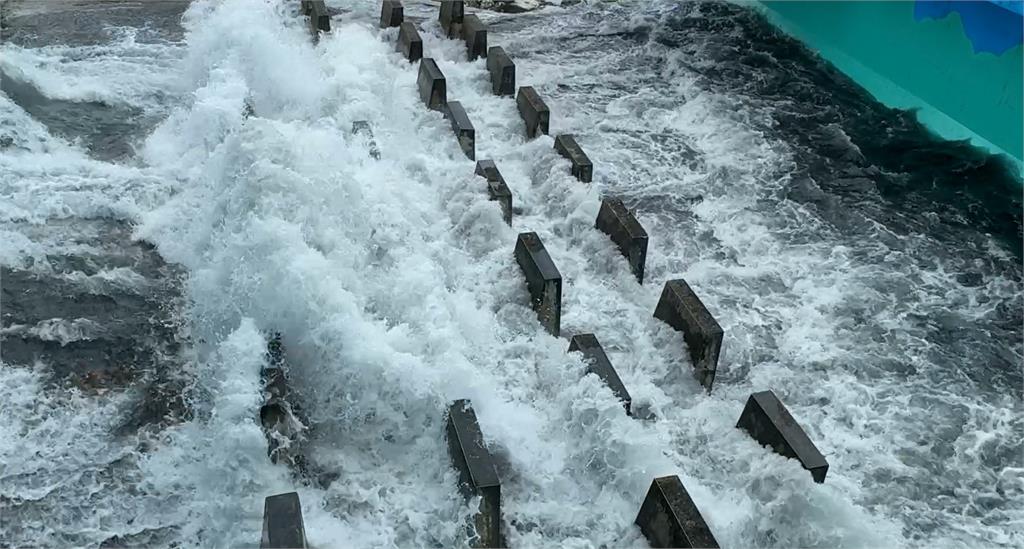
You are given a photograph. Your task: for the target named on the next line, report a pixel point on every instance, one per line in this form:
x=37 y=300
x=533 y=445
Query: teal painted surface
x=928 y=65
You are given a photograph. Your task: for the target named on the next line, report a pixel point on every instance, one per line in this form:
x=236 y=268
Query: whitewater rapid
x=393 y=284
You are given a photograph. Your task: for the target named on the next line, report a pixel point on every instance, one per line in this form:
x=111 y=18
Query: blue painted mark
x=995 y=26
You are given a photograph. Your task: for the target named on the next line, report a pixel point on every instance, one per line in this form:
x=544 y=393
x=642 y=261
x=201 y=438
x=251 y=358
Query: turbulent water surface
x=153 y=234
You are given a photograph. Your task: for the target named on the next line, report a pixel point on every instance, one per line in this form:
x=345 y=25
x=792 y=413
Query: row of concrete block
x=668 y=516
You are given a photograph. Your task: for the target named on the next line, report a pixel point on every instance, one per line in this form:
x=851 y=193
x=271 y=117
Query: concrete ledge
x=462 y=127
x=319 y=17
x=477 y=474
x=503 y=71
x=362 y=127
x=534 y=112
x=451 y=15
x=391 y=13
x=282 y=523
x=681 y=309
x=474 y=32
x=615 y=220
x=497 y=189
x=433 y=90
x=582 y=167
x=542 y=279
x=669 y=518
x=598 y=364
x=409 y=42
x=768 y=421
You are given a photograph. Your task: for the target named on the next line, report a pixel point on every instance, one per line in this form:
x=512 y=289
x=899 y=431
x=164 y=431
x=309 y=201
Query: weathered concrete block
x=681 y=309
x=451 y=16
x=768 y=421
x=503 y=71
x=433 y=90
x=462 y=127
x=542 y=279
x=409 y=42
x=319 y=17
x=282 y=523
x=391 y=13
x=477 y=474
x=283 y=422
x=534 y=111
x=497 y=189
x=598 y=364
x=669 y=518
x=615 y=220
x=474 y=32
x=582 y=167
x=362 y=128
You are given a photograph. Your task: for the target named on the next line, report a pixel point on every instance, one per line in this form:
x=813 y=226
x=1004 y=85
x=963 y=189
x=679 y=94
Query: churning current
x=153 y=235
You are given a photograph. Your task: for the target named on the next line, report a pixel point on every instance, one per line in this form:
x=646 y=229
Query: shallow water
x=867 y=273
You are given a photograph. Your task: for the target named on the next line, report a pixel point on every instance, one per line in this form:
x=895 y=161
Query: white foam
x=395 y=288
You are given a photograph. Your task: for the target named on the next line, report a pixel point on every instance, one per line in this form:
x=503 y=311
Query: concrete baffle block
x=462 y=127
x=474 y=32
x=599 y=365
x=433 y=90
x=409 y=42
x=319 y=17
x=391 y=13
x=681 y=309
x=450 y=16
x=282 y=419
x=503 y=71
x=582 y=167
x=362 y=128
x=542 y=280
x=769 y=422
x=477 y=473
x=534 y=111
x=497 y=189
x=282 y=523
x=669 y=518
x=616 y=221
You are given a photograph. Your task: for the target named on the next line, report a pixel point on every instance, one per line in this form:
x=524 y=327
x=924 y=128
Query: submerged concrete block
x=615 y=220
x=282 y=523
x=362 y=128
x=768 y=421
x=582 y=167
x=433 y=90
x=474 y=32
x=409 y=42
x=542 y=279
x=669 y=518
x=497 y=189
x=283 y=422
x=463 y=128
x=598 y=364
x=681 y=309
x=451 y=16
x=534 y=111
x=477 y=474
x=319 y=17
x=503 y=71
x=391 y=13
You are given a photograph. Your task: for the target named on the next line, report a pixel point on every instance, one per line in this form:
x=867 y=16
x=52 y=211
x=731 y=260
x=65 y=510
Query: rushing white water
x=394 y=286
